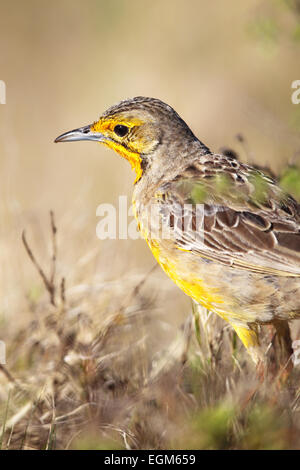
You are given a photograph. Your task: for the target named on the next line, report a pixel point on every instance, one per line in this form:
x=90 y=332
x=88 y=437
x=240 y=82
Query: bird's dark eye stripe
x=121 y=130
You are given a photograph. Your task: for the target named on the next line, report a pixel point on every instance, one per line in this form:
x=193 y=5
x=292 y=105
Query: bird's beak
x=82 y=133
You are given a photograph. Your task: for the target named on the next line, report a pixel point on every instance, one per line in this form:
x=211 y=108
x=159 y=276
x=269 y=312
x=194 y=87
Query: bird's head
x=137 y=129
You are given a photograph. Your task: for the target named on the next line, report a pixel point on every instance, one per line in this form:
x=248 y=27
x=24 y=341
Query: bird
x=225 y=232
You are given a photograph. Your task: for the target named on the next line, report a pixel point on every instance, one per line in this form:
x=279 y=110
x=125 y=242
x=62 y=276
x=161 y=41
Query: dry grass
x=89 y=372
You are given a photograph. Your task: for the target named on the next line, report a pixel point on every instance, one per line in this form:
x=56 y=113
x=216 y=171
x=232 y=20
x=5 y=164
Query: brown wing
x=237 y=223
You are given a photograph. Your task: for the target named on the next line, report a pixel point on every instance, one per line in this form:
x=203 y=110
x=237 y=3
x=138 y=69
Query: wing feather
x=259 y=234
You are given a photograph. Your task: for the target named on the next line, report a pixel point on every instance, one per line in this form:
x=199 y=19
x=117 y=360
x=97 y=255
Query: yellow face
x=117 y=133
x=131 y=136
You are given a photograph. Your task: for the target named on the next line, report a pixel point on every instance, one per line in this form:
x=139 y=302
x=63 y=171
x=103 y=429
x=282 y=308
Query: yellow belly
x=192 y=285
x=209 y=297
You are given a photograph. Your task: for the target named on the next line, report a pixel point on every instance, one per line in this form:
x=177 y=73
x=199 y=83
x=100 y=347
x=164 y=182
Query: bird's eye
x=121 y=130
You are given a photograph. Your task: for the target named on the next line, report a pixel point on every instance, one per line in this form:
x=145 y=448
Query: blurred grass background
x=226 y=67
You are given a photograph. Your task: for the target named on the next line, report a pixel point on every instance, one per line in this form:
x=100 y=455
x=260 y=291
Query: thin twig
x=63 y=291
x=10 y=378
x=7 y=374
x=54 y=247
x=49 y=286
x=138 y=287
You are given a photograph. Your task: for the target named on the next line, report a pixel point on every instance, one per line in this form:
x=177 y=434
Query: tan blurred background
x=226 y=67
